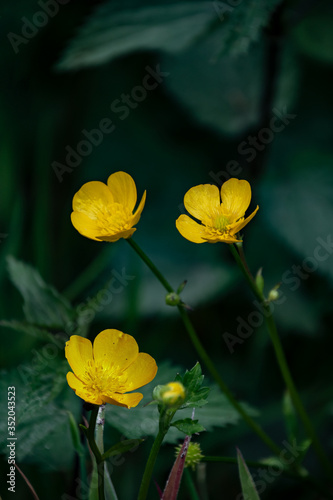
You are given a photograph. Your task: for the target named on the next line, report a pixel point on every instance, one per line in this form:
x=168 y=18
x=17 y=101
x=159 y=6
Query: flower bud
x=173 y=299
x=172 y=394
x=273 y=295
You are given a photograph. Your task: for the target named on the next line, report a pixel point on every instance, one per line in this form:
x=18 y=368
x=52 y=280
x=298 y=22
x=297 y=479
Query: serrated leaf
x=188 y=426
x=248 y=487
x=43 y=305
x=118 y=28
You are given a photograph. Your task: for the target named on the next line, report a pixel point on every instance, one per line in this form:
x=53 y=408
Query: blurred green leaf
x=43 y=400
x=248 y=486
x=314 y=37
x=299 y=209
x=117 y=29
x=43 y=305
x=219 y=90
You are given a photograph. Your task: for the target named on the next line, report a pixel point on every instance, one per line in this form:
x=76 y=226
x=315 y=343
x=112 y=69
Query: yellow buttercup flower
x=113 y=366
x=219 y=221
x=105 y=212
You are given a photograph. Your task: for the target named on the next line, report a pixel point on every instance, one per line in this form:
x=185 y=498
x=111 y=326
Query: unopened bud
x=172 y=394
x=273 y=295
x=173 y=299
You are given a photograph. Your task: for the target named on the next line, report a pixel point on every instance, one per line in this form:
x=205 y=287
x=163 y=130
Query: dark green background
x=230 y=65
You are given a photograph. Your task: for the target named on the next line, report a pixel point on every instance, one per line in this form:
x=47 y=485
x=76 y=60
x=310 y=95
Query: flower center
x=102 y=379
x=221 y=222
x=113 y=219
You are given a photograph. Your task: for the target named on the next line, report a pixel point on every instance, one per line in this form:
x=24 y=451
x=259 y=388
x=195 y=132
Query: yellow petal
x=138 y=211
x=85 y=225
x=92 y=199
x=140 y=372
x=190 y=229
x=115 y=348
x=78 y=352
x=123 y=189
x=238 y=227
x=127 y=400
x=80 y=390
x=115 y=237
x=236 y=197
x=202 y=201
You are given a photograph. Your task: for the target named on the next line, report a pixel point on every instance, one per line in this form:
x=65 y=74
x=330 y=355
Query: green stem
x=150 y=464
x=98 y=456
x=282 y=362
x=204 y=355
x=151 y=265
x=190 y=485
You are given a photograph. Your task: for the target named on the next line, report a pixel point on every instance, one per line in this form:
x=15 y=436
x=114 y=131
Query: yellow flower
x=105 y=212
x=219 y=221
x=104 y=372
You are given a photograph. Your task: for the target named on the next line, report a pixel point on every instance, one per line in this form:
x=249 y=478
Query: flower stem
x=96 y=452
x=282 y=362
x=204 y=355
x=150 y=464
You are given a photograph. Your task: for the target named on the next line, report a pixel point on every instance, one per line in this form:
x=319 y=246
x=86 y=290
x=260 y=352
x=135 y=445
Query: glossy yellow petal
x=140 y=372
x=202 y=201
x=92 y=199
x=81 y=390
x=78 y=352
x=123 y=189
x=114 y=348
x=85 y=225
x=127 y=400
x=190 y=229
x=138 y=211
x=115 y=237
x=241 y=224
x=236 y=197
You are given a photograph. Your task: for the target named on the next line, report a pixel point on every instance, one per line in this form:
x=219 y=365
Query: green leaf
x=118 y=28
x=188 y=426
x=248 y=487
x=241 y=25
x=293 y=210
x=196 y=395
x=43 y=305
x=122 y=447
x=314 y=36
x=43 y=400
x=34 y=331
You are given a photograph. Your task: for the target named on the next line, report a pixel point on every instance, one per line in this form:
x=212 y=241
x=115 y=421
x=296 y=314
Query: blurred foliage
x=228 y=68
